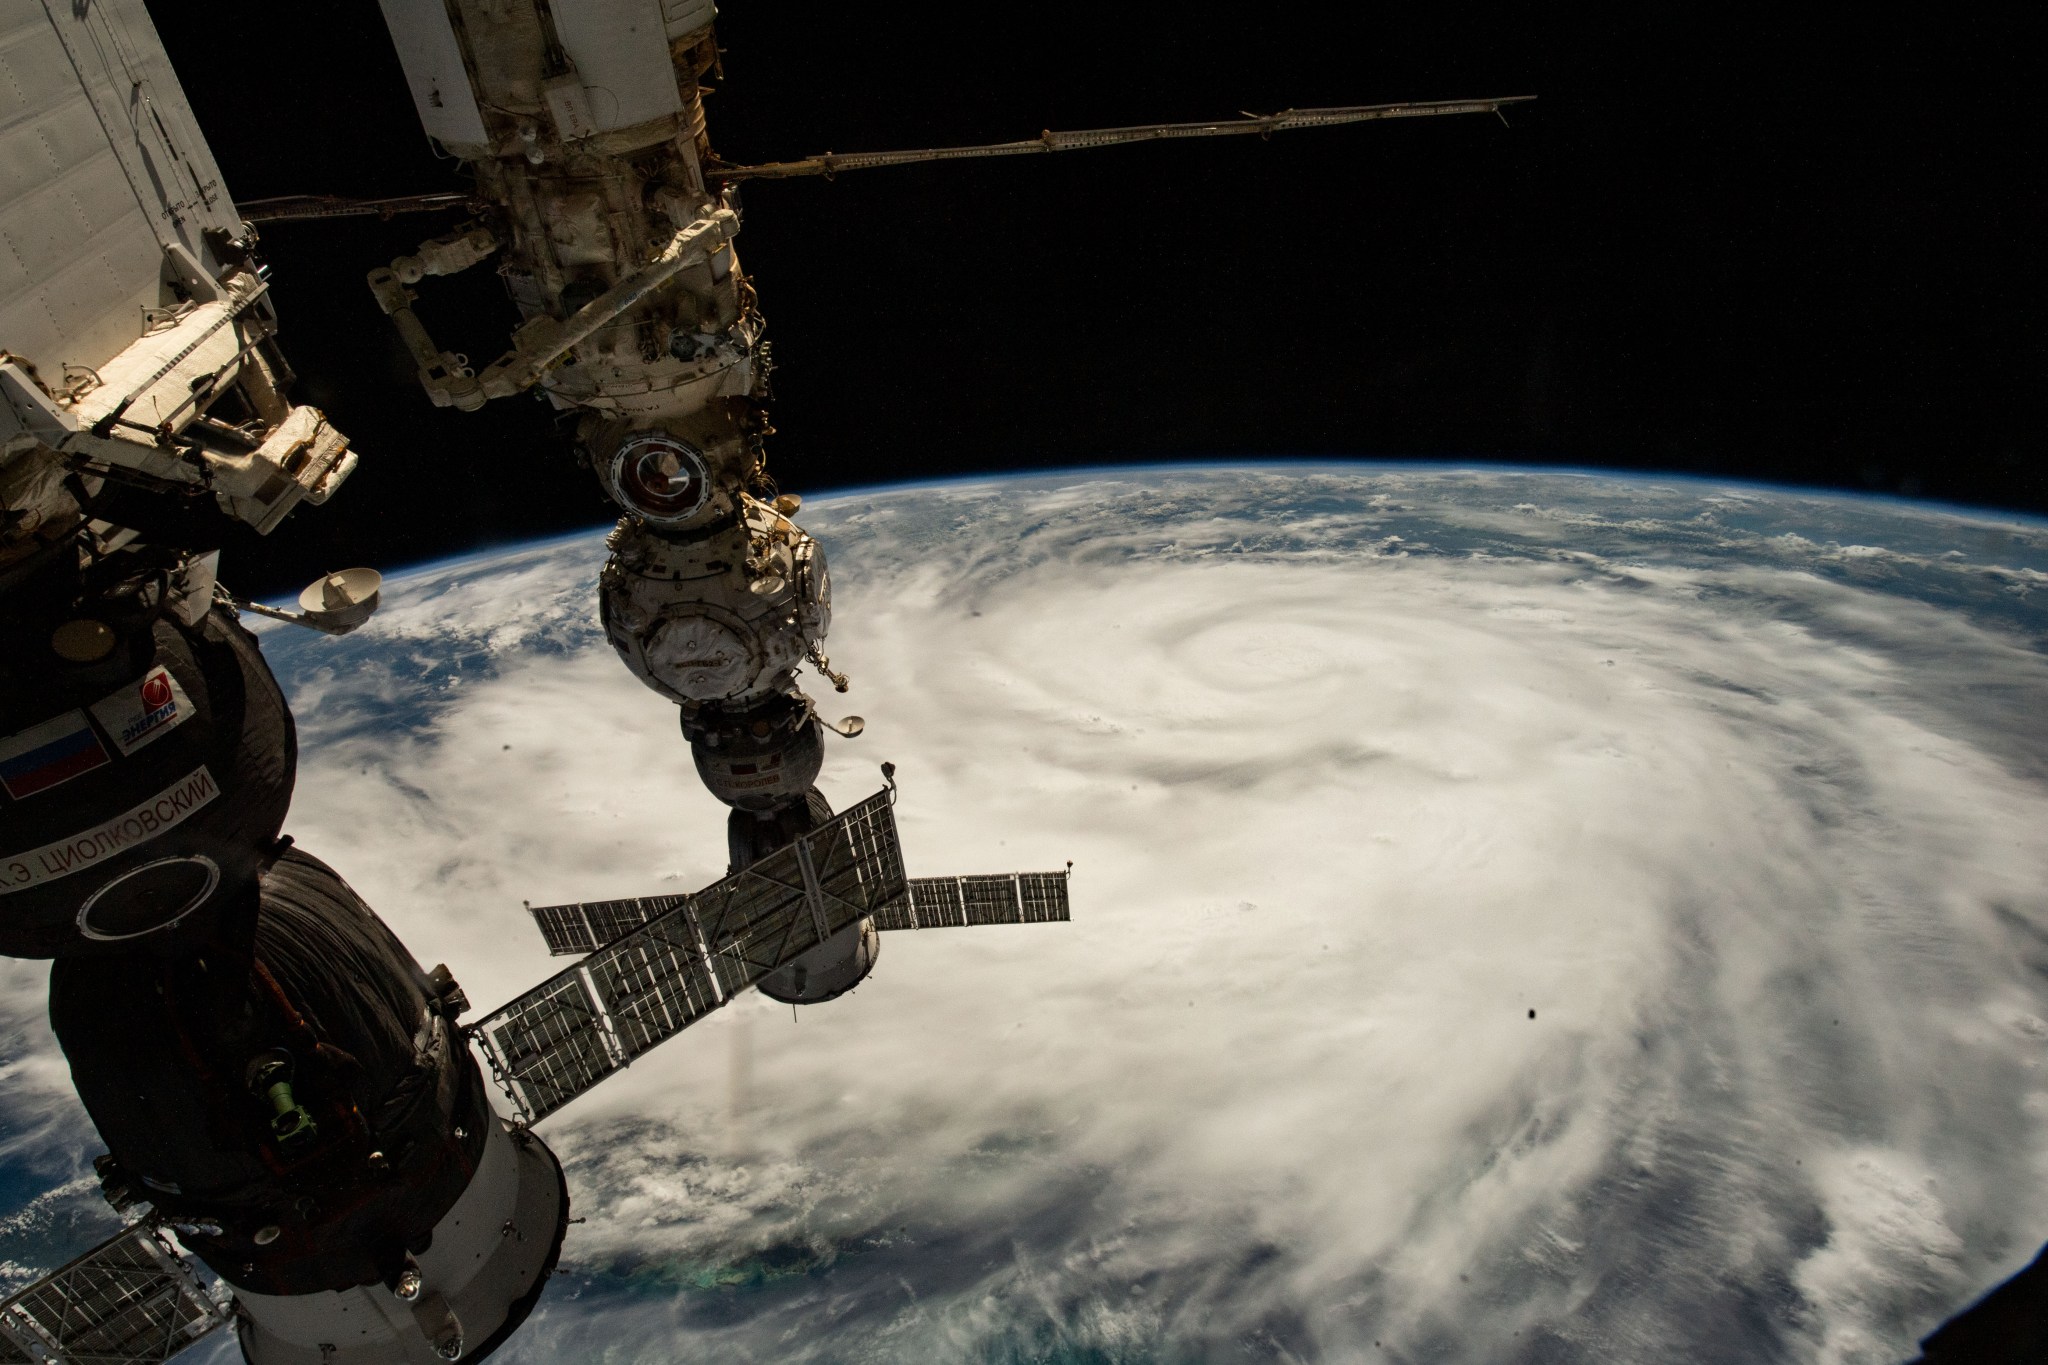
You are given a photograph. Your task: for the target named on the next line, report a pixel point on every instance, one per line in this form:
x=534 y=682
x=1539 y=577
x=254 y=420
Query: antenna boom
x=1265 y=125
x=293 y=208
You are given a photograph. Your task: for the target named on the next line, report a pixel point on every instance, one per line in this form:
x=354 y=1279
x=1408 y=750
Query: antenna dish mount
x=334 y=604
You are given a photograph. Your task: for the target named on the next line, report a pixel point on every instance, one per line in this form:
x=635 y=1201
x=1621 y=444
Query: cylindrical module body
x=489 y=1259
x=827 y=971
x=841 y=962
x=141 y=794
x=299 y=1106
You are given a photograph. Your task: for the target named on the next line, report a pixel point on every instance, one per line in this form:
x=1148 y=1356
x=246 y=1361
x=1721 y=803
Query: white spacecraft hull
x=490 y=1256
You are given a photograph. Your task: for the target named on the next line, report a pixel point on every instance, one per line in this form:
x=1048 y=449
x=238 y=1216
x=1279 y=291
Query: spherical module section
x=827 y=971
x=706 y=654
x=719 y=615
x=657 y=477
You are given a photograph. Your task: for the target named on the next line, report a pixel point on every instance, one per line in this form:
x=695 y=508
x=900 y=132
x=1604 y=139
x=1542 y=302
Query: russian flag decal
x=45 y=755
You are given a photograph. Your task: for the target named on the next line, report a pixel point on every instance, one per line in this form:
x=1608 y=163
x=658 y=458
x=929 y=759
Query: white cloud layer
x=1356 y=771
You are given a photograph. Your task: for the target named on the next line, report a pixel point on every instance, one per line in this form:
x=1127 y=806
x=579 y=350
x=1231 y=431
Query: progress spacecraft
x=283 y=1092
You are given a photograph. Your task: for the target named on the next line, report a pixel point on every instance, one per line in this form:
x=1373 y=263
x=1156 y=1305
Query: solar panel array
x=642 y=988
x=587 y=926
x=959 y=902
x=131 y=1299
x=928 y=903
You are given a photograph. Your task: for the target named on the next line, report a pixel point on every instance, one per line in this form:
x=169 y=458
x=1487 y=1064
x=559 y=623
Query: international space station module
x=283 y=1091
x=279 y=1085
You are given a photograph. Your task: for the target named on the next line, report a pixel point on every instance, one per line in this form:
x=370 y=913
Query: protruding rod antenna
x=291 y=208
x=1265 y=125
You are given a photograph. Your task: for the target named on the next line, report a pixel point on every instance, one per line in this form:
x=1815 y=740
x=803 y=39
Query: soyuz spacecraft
x=281 y=1088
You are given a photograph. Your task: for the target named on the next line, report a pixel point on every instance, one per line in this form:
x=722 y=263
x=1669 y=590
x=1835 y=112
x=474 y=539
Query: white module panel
x=101 y=168
x=433 y=69
x=620 y=51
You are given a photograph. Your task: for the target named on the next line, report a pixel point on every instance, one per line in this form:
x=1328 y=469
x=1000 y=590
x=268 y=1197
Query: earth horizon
x=1519 y=915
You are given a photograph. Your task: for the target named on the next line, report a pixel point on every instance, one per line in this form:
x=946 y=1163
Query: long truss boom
x=300 y=207
x=294 y=208
x=1265 y=125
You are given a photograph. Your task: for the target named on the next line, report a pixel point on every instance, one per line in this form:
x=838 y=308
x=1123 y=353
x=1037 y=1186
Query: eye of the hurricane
x=148 y=898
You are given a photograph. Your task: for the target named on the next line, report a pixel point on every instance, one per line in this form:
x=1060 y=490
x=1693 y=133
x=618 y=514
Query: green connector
x=293 y=1123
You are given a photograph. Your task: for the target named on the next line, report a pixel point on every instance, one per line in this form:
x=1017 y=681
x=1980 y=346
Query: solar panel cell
x=586 y=926
x=1044 y=896
x=956 y=902
x=610 y=920
x=991 y=900
x=129 y=1300
x=654 y=984
x=895 y=915
x=565 y=928
x=937 y=904
x=549 y=1045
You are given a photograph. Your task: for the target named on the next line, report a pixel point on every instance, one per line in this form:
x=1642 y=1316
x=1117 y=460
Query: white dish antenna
x=334 y=604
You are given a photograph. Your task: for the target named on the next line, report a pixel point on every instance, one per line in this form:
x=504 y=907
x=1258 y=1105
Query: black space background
x=1800 y=247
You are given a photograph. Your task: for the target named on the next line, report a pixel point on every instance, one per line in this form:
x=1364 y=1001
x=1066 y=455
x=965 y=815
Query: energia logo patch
x=144 y=711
